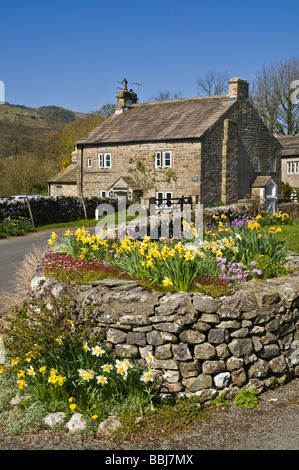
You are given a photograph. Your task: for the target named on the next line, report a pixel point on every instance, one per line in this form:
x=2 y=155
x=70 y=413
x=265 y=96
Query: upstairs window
x=273 y=165
x=104 y=160
x=89 y=163
x=163 y=160
x=256 y=165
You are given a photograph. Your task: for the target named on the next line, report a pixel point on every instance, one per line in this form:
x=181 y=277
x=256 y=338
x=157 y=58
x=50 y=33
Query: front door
x=271 y=197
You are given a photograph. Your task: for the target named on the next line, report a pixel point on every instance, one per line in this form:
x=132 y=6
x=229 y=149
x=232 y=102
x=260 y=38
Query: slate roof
x=261 y=181
x=290 y=145
x=180 y=119
x=67 y=176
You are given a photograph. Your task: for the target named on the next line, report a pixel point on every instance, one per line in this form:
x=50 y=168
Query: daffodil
x=68 y=233
x=97 y=351
x=14 y=361
x=101 y=379
x=149 y=357
x=30 y=371
x=148 y=376
x=167 y=282
x=21 y=384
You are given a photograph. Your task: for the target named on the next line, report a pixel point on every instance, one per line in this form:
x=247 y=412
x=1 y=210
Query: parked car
x=19 y=196
x=23 y=196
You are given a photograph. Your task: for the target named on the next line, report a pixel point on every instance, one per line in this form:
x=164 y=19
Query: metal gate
x=171 y=204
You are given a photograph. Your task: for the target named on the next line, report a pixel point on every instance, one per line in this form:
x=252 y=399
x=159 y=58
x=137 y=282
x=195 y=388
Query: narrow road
x=12 y=253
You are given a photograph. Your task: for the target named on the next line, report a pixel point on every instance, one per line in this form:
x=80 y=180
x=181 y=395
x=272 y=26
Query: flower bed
x=232 y=252
x=13 y=227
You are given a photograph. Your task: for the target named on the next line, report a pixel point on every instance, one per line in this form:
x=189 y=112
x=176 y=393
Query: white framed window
x=164 y=198
x=58 y=190
x=89 y=162
x=272 y=165
x=103 y=194
x=293 y=167
x=163 y=159
x=104 y=160
x=167 y=159
x=256 y=164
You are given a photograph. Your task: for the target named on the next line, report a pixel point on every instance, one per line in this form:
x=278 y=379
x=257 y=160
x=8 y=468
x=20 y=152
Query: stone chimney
x=125 y=98
x=237 y=89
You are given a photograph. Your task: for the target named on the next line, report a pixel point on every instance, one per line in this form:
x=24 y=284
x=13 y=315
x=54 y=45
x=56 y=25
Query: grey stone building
x=290 y=160
x=212 y=148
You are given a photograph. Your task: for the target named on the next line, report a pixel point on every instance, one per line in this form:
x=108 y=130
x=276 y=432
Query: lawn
x=290 y=233
x=10 y=227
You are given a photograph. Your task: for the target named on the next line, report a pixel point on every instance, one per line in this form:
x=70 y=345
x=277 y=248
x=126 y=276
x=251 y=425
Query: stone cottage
x=211 y=148
x=290 y=160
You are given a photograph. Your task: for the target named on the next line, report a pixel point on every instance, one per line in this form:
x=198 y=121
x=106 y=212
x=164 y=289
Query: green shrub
x=247 y=398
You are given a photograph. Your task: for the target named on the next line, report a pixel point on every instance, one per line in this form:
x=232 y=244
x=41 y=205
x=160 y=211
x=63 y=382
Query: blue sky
x=73 y=53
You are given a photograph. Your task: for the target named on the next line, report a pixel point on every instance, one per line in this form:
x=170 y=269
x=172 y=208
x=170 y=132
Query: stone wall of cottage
x=206 y=345
x=66 y=189
x=255 y=140
x=291 y=178
x=228 y=151
x=183 y=178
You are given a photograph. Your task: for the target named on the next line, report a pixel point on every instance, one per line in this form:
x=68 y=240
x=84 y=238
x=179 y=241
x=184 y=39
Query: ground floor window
x=293 y=167
x=58 y=190
x=164 y=198
x=103 y=193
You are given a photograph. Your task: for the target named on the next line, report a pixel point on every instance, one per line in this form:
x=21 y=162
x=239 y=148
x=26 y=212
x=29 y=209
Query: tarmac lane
x=13 y=251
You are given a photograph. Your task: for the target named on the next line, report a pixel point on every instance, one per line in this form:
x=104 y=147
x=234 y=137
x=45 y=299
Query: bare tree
x=22 y=173
x=212 y=83
x=271 y=94
x=166 y=95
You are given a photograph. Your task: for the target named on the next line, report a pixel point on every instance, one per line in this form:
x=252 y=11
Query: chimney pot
x=124 y=96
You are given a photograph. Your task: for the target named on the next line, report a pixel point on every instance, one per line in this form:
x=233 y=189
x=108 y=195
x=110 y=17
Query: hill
x=45 y=117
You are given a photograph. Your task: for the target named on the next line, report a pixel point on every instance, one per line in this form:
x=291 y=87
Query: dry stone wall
x=50 y=210
x=206 y=345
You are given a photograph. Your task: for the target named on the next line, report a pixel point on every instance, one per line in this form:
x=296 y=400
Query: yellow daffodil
x=21 y=384
x=167 y=282
x=30 y=371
